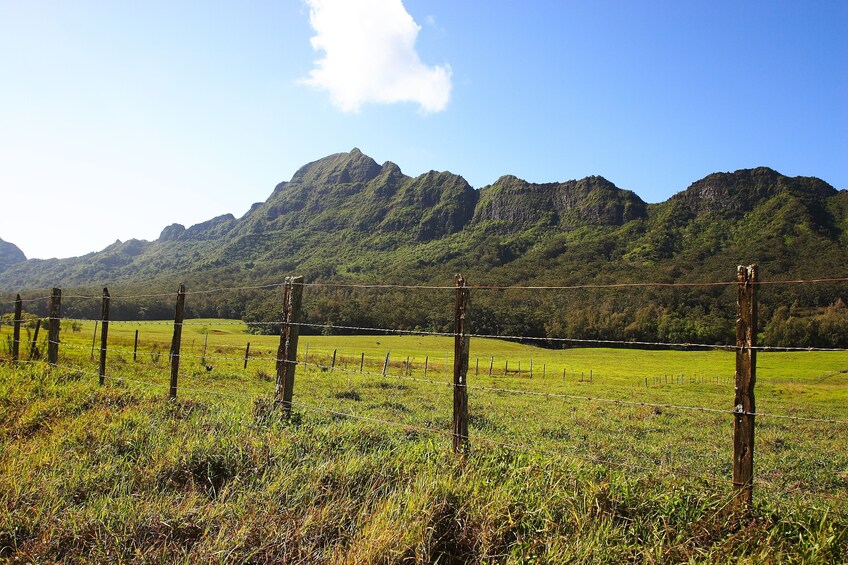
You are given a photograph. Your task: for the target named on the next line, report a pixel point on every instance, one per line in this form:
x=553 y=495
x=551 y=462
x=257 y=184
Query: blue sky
x=119 y=118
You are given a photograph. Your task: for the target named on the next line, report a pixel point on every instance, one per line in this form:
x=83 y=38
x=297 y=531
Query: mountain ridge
x=346 y=219
x=375 y=207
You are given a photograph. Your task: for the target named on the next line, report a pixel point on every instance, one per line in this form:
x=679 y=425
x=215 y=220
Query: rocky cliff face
x=591 y=201
x=739 y=192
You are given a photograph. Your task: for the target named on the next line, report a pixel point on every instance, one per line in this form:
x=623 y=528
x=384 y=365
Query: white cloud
x=370 y=56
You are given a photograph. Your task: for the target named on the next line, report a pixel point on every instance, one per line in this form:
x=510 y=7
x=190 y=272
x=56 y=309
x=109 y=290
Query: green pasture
x=228 y=338
x=569 y=390
x=616 y=444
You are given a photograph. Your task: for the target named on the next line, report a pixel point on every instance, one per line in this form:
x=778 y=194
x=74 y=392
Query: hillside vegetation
x=344 y=218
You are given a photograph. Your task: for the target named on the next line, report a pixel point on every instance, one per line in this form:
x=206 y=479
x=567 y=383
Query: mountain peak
x=741 y=190
x=339 y=168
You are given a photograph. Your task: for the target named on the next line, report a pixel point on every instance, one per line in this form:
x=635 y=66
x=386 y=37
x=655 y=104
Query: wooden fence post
x=135 y=346
x=426 y=364
x=386 y=364
x=746 y=367
x=16 y=331
x=460 y=368
x=176 y=341
x=205 y=343
x=361 y=361
x=32 y=346
x=94 y=339
x=104 y=334
x=53 y=326
x=246 y=354
x=281 y=347
x=333 y=365
x=491 y=365
x=287 y=351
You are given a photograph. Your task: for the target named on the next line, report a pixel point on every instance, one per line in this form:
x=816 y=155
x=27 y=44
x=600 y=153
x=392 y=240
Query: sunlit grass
x=117 y=472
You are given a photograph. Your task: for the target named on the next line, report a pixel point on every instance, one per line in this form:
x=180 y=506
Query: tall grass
x=118 y=473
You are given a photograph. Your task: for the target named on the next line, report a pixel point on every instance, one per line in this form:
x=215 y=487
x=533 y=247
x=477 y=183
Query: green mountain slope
x=347 y=218
x=10 y=254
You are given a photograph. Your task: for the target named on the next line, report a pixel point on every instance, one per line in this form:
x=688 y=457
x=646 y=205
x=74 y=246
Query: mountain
x=347 y=218
x=351 y=191
x=10 y=254
x=593 y=201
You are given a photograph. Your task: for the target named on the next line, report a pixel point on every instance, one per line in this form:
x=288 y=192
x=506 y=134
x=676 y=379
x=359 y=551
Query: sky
x=119 y=118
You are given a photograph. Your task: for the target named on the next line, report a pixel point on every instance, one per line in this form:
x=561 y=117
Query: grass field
x=600 y=463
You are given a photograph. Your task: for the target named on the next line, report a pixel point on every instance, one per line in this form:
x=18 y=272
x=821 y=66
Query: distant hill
x=347 y=218
x=10 y=254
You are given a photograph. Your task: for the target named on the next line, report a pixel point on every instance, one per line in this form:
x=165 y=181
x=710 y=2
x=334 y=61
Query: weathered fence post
x=746 y=369
x=16 y=331
x=135 y=346
x=426 y=364
x=281 y=348
x=205 y=343
x=386 y=364
x=287 y=351
x=333 y=365
x=460 y=368
x=179 y=313
x=246 y=354
x=33 y=345
x=104 y=334
x=53 y=326
x=491 y=364
x=94 y=339
x=361 y=361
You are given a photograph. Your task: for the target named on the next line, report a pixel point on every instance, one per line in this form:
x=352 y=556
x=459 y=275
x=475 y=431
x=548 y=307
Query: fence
x=288 y=359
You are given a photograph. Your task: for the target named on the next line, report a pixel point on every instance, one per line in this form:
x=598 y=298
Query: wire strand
x=519 y=338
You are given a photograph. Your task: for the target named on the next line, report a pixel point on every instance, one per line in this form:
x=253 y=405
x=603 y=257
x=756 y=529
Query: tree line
x=790 y=316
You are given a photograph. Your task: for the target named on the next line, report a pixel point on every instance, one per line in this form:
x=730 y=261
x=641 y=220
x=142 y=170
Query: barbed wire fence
x=288 y=359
